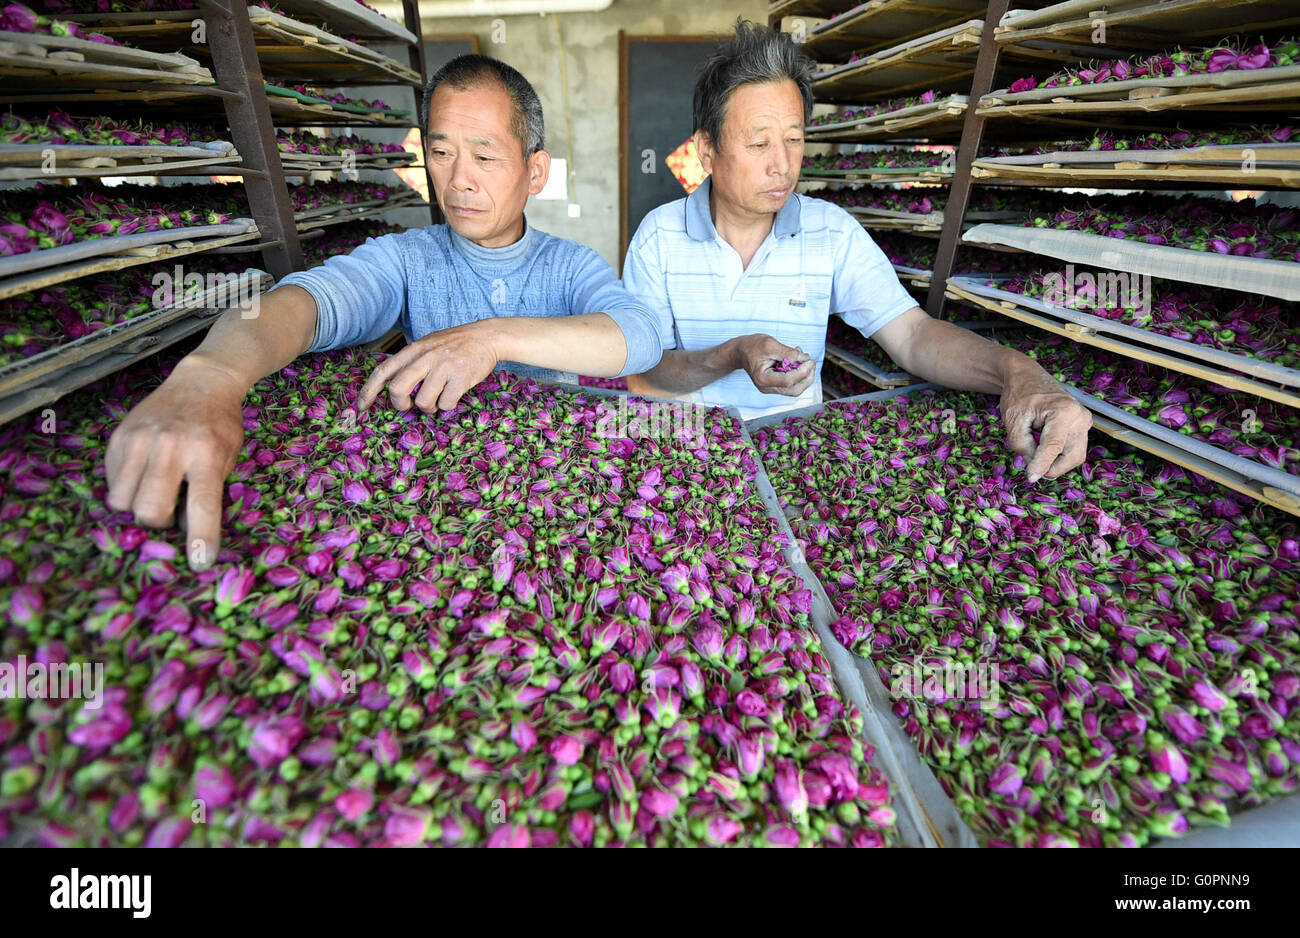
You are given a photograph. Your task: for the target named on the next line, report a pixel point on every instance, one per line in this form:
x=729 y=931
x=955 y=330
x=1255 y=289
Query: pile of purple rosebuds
x=1181 y=139
x=1228 y=57
x=1242 y=424
x=908 y=250
x=321 y=194
x=341 y=239
x=612 y=384
x=919 y=200
x=847 y=338
x=844 y=383
x=337 y=97
x=880 y=159
x=134 y=6
x=1241 y=323
x=303 y=142
x=50 y=216
x=871 y=110
x=44 y=319
x=60 y=127
x=914 y=201
x=495 y=625
x=17 y=18
x=1195 y=223
x=1142 y=621
x=116 y=6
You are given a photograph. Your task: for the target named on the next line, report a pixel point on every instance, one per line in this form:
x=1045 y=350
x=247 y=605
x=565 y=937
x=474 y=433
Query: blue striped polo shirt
x=817 y=260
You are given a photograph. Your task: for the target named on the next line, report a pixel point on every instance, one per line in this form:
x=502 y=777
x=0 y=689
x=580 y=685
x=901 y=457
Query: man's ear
x=704 y=149
x=539 y=170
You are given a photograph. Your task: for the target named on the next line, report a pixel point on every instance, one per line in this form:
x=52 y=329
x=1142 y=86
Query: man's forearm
x=589 y=344
x=962 y=360
x=251 y=349
x=680 y=372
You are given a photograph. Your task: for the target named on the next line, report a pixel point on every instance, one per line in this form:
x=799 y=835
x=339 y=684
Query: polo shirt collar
x=699 y=220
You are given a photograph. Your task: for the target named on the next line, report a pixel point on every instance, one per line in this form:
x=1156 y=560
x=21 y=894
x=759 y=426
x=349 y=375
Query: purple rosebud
x=1209 y=696
x=659 y=803
x=511 y=836
x=26 y=604
x=235 y=585
x=1231 y=773
x=353 y=803
x=564 y=749
x=407 y=826
x=1006 y=779
x=1167 y=759
x=214 y=785
x=750 y=704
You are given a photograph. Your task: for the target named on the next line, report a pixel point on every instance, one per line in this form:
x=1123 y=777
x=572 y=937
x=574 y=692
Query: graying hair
x=754 y=54
x=469 y=71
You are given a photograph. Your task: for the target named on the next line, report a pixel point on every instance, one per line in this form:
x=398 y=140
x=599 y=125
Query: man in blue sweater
x=483 y=291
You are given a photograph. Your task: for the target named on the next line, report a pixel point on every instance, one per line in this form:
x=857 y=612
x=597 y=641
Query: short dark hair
x=754 y=54
x=470 y=71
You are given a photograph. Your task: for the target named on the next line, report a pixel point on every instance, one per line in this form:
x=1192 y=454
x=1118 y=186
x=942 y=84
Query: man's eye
x=757 y=146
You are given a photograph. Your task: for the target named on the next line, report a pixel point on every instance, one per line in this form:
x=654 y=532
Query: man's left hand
x=1038 y=402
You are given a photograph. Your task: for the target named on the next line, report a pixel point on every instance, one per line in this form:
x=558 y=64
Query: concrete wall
x=590 y=42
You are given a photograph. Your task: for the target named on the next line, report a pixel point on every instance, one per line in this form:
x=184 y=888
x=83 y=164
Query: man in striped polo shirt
x=745 y=272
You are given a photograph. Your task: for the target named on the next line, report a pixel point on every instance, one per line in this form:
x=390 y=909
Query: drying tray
x=1147 y=24
x=1272 y=486
x=928 y=175
x=942 y=60
x=943 y=116
x=813 y=7
x=294 y=162
x=1243 y=166
x=1252 y=376
x=36 y=59
x=1249 y=274
x=1265 y=89
x=1276 y=823
x=916 y=814
x=44 y=378
x=25 y=160
x=22 y=272
x=341 y=214
x=880 y=23
x=345 y=15
x=872 y=374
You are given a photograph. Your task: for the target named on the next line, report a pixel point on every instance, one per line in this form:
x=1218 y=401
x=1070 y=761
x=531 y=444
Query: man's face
x=757 y=165
x=480 y=176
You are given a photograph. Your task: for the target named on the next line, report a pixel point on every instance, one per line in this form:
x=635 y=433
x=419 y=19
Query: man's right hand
x=759 y=355
x=190 y=429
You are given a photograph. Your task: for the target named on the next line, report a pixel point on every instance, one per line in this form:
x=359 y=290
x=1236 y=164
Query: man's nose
x=780 y=164
x=462 y=178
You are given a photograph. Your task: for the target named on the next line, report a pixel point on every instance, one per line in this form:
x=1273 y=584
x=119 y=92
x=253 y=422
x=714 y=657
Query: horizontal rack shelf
x=872 y=374
x=1276 y=278
x=1262 y=90
x=1147 y=24
x=1244 y=166
x=1239 y=372
x=286 y=49
x=27 y=161
x=51 y=385
x=937 y=118
x=880 y=23
x=120 y=256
